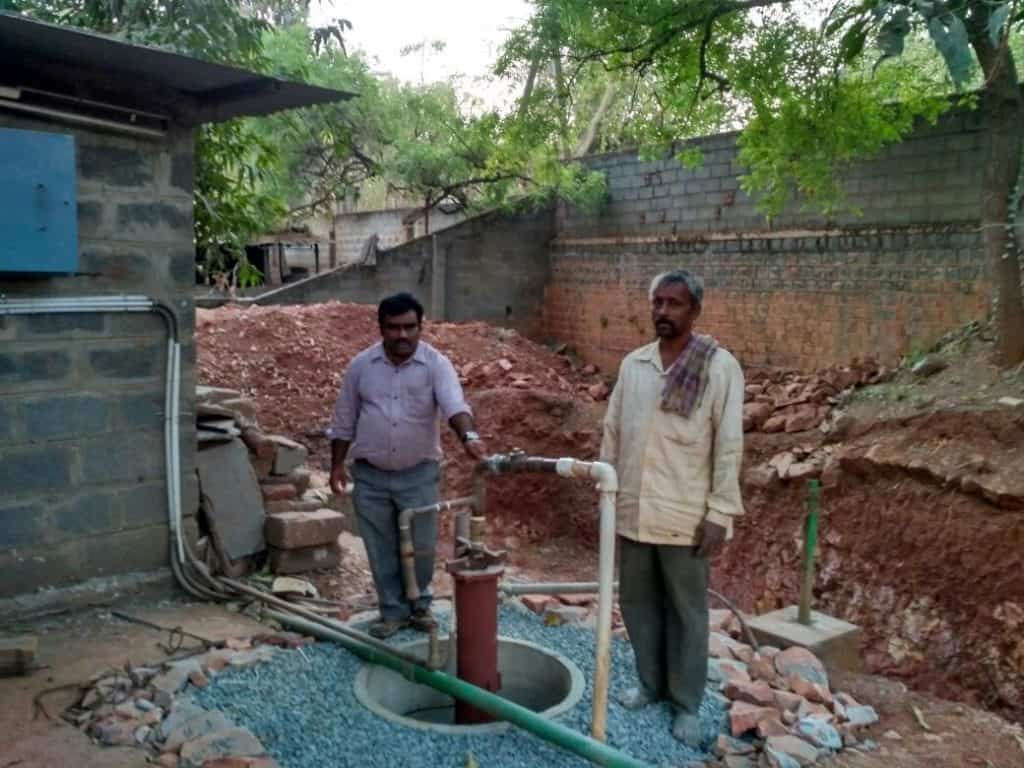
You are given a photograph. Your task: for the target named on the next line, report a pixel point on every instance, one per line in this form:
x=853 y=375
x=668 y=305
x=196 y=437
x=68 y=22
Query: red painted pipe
x=476 y=606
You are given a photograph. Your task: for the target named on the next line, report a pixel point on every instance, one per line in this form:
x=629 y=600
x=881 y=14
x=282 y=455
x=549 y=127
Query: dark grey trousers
x=663 y=594
x=378 y=498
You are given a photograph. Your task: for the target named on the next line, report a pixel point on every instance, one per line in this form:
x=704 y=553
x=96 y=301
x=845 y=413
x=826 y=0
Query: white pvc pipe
x=608 y=486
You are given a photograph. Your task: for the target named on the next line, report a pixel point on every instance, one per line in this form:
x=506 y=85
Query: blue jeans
x=378 y=498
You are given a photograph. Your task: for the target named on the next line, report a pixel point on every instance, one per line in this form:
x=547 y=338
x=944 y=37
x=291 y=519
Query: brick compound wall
x=803 y=291
x=82 y=490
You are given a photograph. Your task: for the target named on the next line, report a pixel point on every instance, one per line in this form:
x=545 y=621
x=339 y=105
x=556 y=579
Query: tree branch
x=650 y=46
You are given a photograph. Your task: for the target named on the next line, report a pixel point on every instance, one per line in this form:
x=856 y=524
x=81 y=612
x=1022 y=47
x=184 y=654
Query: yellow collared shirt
x=674 y=471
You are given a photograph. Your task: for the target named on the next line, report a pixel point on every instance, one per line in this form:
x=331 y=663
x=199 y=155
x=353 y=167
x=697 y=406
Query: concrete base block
x=297 y=530
x=834 y=641
x=284 y=561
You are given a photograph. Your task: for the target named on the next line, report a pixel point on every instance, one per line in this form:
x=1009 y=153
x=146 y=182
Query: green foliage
x=809 y=101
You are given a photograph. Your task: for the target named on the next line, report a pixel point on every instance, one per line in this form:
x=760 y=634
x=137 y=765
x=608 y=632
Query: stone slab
x=233 y=502
x=834 y=641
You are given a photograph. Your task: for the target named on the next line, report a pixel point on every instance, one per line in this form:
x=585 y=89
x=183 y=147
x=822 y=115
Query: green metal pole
x=810 y=544
x=530 y=721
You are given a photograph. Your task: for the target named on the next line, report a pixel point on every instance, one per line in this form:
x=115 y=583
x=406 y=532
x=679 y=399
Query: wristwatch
x=470 y=436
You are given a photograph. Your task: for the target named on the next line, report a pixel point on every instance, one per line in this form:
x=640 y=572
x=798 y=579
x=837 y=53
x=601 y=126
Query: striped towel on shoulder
x=687 y=379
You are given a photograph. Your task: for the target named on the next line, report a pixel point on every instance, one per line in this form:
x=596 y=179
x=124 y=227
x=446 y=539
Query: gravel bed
x=303 y=709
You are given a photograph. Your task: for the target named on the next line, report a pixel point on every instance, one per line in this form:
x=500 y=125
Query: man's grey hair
x=694 y=285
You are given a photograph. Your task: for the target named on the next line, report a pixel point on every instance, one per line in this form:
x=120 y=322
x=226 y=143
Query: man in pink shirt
x=386 y=422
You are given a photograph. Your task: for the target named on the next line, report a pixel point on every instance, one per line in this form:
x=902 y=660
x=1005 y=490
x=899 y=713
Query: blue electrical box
x=38 y=215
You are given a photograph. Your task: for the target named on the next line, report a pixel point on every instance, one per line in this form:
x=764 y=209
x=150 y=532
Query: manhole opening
x=531 y=676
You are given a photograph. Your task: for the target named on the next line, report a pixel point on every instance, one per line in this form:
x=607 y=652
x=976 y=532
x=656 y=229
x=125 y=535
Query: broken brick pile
x=301 y=523
x=147 y=707
x=790 y=401
x=782 y=711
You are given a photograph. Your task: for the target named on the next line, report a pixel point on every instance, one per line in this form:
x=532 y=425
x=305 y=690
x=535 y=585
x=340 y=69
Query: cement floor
x=72 y=648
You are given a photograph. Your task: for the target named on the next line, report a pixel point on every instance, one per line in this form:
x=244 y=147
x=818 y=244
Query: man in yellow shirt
x=674 y=432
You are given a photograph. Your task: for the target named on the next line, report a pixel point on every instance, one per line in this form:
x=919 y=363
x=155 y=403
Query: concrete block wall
x=82 y=474
x=803 y=290
x=495 y=268
x=353 y=228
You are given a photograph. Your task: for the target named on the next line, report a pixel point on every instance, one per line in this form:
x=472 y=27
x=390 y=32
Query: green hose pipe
x=529 y=721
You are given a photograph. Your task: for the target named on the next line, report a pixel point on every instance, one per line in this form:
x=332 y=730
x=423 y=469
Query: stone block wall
x=82 y=474
x=803 y=290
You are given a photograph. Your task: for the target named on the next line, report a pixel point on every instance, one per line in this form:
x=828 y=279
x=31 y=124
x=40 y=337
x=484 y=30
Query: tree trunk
x=1003 y=115
x=563 y=115
x=587 y=139
x=531 y=78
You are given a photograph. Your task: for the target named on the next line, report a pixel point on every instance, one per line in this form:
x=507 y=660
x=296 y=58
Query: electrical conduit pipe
x=503 y=709
x=114 y=304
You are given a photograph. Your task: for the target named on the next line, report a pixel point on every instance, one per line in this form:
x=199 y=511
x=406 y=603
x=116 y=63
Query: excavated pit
x=533 y=677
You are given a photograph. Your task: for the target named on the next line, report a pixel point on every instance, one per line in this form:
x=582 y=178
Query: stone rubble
x=789 y=401
x=782 y=712
x=151 y=708
x=782 y=709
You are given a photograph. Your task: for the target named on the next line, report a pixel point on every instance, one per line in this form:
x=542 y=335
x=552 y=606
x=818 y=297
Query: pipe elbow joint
x=602 y=472
x=606 y=476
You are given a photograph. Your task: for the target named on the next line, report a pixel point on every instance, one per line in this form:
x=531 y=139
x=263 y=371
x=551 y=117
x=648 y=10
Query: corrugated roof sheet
x=217 y=91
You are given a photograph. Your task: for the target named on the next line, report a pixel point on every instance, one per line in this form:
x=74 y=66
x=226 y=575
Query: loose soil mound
x=922 y=534
x=920 y=544
x=290 y=360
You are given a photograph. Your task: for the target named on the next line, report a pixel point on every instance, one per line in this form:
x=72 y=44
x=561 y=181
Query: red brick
x=293 y=505
x=788 y=702
x=759 y=694
x=771 y=726
x=744 y=717
x=537 y=603
x=583 y=600
x=813 y=692
x=297 y=530
x=279 y=492
x=308 y=559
